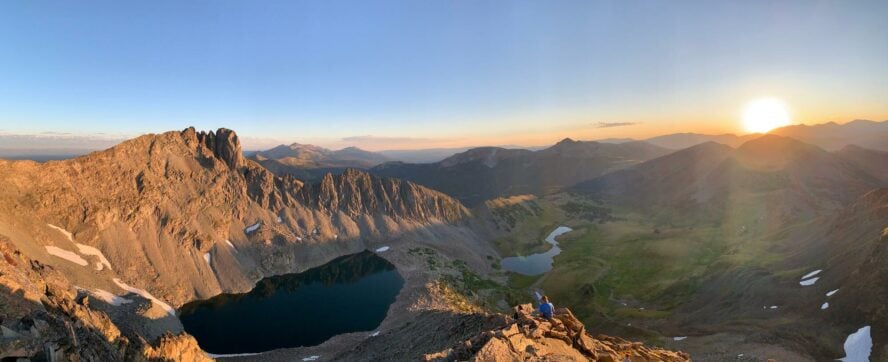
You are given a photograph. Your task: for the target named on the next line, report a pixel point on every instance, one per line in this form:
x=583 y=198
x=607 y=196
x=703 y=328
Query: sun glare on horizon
x=764 y=114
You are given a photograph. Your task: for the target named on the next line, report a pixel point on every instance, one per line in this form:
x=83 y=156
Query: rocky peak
x=572 y=148
x=525 y=337
x=566 y=141
x=224 y=143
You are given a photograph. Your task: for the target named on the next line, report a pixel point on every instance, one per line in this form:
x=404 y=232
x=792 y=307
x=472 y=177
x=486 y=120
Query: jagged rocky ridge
x=525 y=337
x=183 y=216
x=355 y=193
x=169 y=199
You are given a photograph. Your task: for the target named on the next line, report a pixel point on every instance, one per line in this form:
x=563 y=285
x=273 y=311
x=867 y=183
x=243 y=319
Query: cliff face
x=525 y=337
x=224 y=144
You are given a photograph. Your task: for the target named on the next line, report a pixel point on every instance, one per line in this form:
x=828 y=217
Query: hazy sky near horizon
x=415 y=74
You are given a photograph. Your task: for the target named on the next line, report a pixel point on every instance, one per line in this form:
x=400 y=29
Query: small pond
x=349 y=294
x=536 y=264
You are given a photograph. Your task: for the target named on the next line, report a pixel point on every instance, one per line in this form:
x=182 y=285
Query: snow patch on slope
x=109 y=297
x=145 y=295
x=65 y=254
x=811 y=274
x=253 y=227
x=231 y=245
x=858 y=346
x=89 y=250
x=63 y=231
x=213 y=355
x=808 y=282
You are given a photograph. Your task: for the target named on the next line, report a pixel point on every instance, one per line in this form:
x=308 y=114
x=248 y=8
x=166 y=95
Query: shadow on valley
x=349 y=294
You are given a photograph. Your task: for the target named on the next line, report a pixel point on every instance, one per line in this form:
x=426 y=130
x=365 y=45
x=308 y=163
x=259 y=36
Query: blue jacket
x=546 y=310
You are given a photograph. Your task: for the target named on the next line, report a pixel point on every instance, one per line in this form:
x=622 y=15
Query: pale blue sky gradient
x=420 y=70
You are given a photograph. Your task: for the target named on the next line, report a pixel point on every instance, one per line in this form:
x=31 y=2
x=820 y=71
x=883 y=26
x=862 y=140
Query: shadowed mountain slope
x=833 y=136
x=872 y=162
x=829 y=136
x=679 y=141
x=778 y=178
x=843 y=256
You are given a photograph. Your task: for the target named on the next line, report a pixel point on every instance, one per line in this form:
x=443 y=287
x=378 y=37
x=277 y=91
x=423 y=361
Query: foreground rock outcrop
x=44 y=317
x=525 y=337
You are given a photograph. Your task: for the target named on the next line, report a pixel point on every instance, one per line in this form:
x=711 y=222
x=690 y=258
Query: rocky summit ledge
x=525 y=337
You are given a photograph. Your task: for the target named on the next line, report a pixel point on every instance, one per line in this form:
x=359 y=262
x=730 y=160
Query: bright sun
x=765 y=114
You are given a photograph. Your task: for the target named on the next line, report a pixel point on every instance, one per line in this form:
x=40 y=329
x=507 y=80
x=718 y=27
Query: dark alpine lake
x=349 y=294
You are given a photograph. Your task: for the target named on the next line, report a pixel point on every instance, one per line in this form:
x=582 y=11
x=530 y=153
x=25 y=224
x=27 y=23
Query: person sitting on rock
x=546 y=308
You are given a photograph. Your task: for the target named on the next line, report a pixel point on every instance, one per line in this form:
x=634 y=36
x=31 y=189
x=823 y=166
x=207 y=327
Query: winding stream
x=539 y=263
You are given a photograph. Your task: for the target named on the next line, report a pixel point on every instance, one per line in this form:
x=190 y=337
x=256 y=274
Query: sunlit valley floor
x=716 y=290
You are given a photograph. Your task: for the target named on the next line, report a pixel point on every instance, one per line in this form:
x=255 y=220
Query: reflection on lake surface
x=536 y=264
x=349 y=294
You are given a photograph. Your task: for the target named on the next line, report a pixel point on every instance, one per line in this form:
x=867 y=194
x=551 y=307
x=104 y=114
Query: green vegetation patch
x=631 y=259
x=588 y=211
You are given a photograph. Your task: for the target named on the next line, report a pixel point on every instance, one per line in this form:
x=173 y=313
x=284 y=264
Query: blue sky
x=434 y=73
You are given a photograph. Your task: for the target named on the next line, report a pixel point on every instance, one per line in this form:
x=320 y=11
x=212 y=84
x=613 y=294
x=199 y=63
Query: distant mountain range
x=678 y=141
x=309 y=162
x=792 y=179
x=833 y=136
x=309 y=156
x=483 y=173
x=431 y=155
x=829 y=136
x=478 y=174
